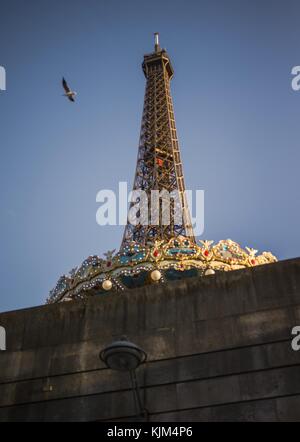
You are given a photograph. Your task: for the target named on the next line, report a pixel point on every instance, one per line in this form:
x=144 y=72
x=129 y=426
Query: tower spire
x=156 y=42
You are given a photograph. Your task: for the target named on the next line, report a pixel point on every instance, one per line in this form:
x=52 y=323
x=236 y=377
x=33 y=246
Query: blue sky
x=238 y=121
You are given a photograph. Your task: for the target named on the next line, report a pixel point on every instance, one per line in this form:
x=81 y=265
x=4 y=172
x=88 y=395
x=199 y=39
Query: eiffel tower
x=159 y=164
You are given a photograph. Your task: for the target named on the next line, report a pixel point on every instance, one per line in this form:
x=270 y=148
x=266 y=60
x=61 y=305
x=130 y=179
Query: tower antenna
x=156 y=40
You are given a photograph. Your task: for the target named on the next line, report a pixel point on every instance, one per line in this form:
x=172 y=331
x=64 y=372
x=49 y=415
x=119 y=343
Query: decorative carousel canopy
x=136 y=265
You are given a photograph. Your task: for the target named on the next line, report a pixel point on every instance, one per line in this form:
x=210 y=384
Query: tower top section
x=157 y=59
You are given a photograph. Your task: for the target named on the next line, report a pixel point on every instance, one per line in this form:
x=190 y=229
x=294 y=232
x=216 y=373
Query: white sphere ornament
x=209 y=272
x=155 y=275
x=107 y=285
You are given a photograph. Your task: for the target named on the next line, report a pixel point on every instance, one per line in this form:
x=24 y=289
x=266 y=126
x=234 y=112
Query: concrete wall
x=219 y=348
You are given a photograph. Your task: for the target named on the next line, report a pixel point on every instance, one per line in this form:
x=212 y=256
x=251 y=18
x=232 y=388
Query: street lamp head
x=122 y=355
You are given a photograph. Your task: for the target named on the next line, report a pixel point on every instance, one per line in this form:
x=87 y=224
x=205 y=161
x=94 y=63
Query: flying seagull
x=69 y=93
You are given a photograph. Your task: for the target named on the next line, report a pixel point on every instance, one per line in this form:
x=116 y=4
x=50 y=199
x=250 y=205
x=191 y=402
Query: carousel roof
x=136 y=265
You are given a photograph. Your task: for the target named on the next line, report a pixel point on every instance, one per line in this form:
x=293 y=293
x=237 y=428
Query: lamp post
x=123 y=355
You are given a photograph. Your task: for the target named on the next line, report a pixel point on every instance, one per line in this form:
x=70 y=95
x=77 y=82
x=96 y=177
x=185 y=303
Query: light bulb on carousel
x=155 y=275
x=209 y=272
x=107 y=285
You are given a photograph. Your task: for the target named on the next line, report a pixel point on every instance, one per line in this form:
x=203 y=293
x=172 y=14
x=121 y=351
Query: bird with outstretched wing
x=68 y=91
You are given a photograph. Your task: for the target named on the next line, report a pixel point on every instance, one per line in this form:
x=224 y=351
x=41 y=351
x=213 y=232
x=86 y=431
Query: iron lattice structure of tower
x=159 y=164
